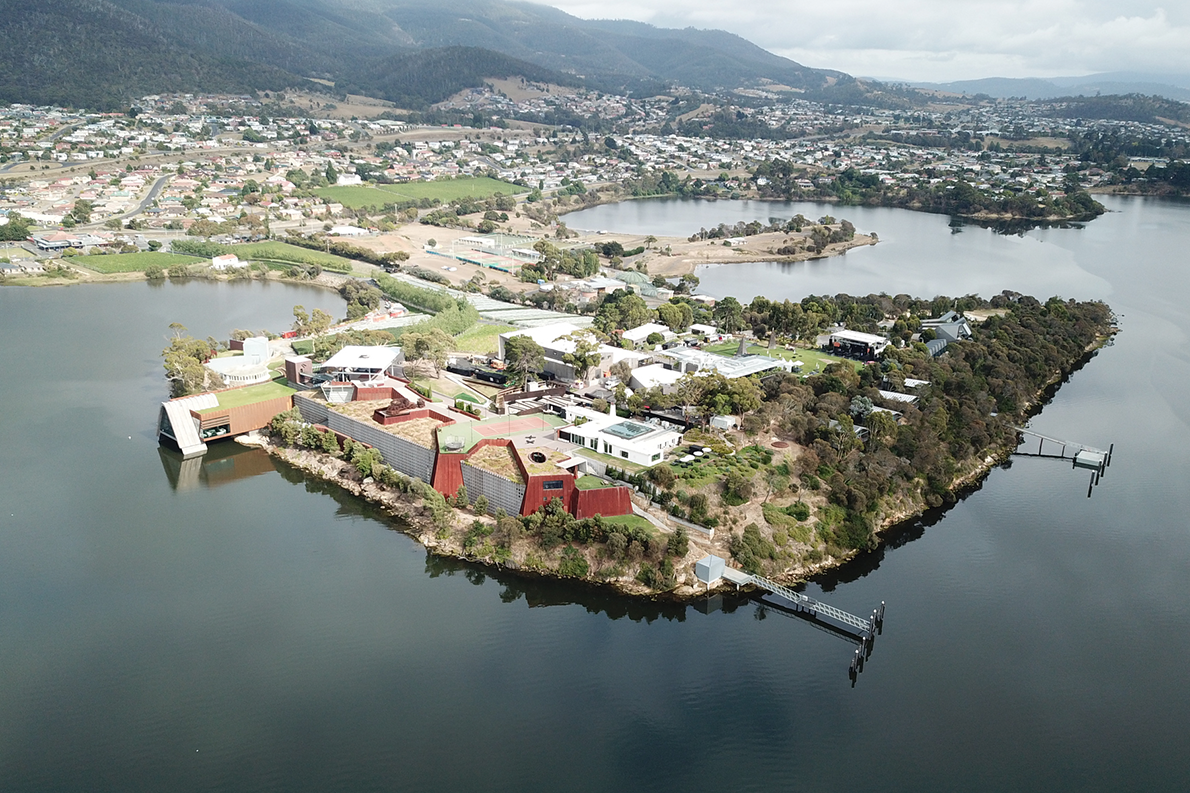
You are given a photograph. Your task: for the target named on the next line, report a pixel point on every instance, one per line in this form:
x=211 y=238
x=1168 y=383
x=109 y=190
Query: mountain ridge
x=103 y=53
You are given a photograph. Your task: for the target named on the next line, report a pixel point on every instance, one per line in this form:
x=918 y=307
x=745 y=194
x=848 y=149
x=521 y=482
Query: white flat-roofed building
x=640 y=334
x=852 y=342
x=687 y=359
x=655 y=376
x=625 y=439
x=361 y=363
x=559 y=339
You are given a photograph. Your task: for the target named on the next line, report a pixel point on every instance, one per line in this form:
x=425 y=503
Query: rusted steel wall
x=605 y=501
x=537 y=496
x=448 y=474
x=252 y=417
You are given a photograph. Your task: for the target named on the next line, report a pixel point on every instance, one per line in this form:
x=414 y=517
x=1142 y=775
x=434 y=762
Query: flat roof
x=860 y=338
x=247 y=395
x=728 y=367
x=628 y=430
x=359 y=357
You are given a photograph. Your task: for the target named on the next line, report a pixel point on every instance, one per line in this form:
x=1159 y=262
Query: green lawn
x=614 y=462
x=130 y=262
x=632 y=521
x=248 y=395
x=586 y=482
x=445 y=191
x=284 y=252
x=814 y=360
x=481 y=338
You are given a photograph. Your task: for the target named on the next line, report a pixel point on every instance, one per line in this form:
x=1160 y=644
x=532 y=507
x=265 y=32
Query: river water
x=233 y=626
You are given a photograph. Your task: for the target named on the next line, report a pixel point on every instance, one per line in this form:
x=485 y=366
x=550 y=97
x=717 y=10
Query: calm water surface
x=232 y=626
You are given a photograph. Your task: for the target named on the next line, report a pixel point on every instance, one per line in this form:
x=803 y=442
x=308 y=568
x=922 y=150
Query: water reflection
x=224 y=462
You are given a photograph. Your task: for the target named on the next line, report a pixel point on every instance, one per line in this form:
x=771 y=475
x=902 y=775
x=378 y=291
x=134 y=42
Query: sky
x=937 y=40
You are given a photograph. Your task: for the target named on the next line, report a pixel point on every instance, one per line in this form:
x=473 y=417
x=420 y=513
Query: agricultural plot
x=130 y=262
x=291 y=254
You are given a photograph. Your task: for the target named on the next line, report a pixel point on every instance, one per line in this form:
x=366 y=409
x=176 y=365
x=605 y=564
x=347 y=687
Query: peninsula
x=786 y=437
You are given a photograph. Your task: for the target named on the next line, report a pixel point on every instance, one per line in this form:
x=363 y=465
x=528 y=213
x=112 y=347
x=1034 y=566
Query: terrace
x=463 y=436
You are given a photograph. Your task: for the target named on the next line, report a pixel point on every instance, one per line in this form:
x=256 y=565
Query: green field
x=445 y=191
x=357 y=197
x=284 y=252
x=481 y=338
x=129 y=262
x=587 y=482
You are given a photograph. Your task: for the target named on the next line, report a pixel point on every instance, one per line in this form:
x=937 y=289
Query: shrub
x=751 y=548
x=573 y=563
x=662 y=475
x=617 y=545
x=679 y=543
x=660 y=577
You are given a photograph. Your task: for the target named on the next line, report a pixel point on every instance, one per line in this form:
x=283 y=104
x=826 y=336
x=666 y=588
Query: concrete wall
x=502 y=493
x=404 y=456
x=313 y=411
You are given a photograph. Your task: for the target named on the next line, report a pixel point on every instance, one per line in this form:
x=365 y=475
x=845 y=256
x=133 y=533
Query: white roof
x=705 y=330
x=358 y=357
x=655 y=375
x=859 y=338
x=898 y=397
x=550 y=336
x=643 y=332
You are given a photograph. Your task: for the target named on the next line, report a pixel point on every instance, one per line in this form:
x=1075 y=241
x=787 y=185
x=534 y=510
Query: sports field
x=445 y=190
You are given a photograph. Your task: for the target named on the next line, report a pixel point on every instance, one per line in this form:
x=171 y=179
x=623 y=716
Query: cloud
x=938 y=39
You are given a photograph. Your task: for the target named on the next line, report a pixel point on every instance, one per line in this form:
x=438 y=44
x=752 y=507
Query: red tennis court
x=511 y=426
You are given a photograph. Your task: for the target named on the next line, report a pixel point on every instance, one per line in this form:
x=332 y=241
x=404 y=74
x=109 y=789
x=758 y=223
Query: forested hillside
x=416 y=79
x=93 y=53
x=104 y=53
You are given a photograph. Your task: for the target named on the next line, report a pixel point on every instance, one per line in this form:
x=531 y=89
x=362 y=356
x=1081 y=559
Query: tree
x=314 y=324
x=622 y=310
x=650 y=240
x=203 y=228
x=676 y=316
x=585 y=356
x=332 y=176
x=183 y=361
x=430 y=347
x=523 y=355
x=728 y=315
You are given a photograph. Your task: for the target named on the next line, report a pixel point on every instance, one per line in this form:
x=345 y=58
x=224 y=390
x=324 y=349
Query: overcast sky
x=937 y=40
